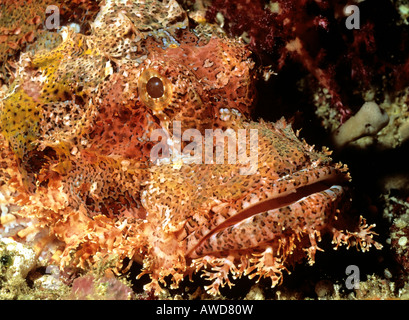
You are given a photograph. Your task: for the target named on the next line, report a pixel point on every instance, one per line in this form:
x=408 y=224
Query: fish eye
x=155 y=90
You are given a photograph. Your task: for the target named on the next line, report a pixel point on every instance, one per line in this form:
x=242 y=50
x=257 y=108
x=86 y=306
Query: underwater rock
x=397 y=210
x=16 y=259
x=368 y=121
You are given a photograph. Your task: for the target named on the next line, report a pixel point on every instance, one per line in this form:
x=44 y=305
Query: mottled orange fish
x=81 y=183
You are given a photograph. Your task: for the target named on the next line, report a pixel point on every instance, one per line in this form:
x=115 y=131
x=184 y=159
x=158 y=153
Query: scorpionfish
x=112 y=146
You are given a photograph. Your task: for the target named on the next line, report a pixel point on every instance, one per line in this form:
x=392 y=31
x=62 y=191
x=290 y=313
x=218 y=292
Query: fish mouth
x=314 y=194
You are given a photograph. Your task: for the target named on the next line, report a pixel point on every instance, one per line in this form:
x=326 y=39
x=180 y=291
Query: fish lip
x=319 y=183
x=293 y=195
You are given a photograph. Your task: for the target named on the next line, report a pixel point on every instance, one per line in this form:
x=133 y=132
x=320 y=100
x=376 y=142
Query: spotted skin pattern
x=81 y=184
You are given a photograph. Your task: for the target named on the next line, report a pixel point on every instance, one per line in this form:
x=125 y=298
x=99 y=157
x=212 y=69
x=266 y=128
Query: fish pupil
x=155 y=87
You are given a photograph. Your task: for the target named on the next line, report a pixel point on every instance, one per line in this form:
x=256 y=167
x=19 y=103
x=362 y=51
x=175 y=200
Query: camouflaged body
x=76 y=130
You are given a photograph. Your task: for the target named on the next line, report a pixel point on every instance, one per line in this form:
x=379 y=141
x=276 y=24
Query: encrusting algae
x=80 y=184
